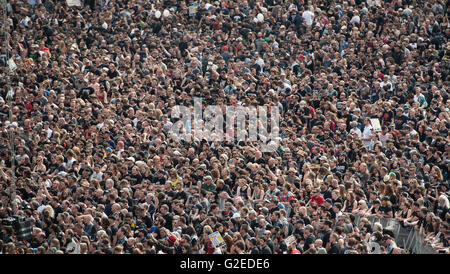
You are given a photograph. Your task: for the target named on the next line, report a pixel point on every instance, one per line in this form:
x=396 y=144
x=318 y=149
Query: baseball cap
x=236 y=215
x=328 y=223
x=172 y=239
x=198 y=206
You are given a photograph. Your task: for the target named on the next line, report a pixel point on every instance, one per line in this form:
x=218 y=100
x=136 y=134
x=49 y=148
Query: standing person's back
x=308 y=15
x=108 y=206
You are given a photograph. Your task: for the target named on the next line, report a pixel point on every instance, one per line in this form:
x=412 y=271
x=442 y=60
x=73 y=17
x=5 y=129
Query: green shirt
x=211 y=187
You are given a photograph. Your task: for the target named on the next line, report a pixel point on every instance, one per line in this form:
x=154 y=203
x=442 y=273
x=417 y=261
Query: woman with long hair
x=381 y=187
x=186 y=249
x=342 y=192
x=442 y=206
x=350 y=202
x=208 y=246
x=405 y=212
x=257 y=194
x=433 y=228
x=361 y=209
x=436 y=171
x=389 y=192
x=229 y=243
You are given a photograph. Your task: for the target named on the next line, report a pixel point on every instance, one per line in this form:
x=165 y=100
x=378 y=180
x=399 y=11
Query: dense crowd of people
x=93 y=88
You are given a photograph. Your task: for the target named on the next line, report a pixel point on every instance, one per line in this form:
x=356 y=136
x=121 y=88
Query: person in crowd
x=96 y=97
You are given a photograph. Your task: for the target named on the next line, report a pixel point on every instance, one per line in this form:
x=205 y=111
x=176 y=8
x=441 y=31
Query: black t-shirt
x=112 y=74
x=385 y=209
x=266 y=250
x=298 y=231
x=332 y=213
x=309 y=241
x=168 y=218
x=375 y=210
x=107 y=250
x=180 y=195
x=326 y=237
x=334 y=249
x=338 y=200
x=399 y=121
x=254 y=250
x=147 y=220
x=444 y=240
x=159 y=181
x=326 y=194
x=341 y=167
x=85 y=92
x=135 y=179
x=441 y=211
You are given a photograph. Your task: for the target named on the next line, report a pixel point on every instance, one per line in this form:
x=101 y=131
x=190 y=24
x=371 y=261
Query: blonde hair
x=83 y=248
x=49 y=210
x=208 y=229
x=437 y=170
x=363 y=204
x=158 y=113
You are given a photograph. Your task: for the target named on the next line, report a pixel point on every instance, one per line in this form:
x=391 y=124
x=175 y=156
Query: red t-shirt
x=285 y=197
x=319 y=200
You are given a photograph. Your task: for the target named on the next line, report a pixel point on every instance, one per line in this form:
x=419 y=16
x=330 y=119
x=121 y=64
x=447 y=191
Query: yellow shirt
x=174 y=183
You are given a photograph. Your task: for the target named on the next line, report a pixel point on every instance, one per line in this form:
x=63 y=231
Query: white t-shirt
x=308 y=16
x=337 y=216
x=367 y=133
x=355 y=19
x=49 y=133
x=383 y=138
x=382 y=84
x=73 y=248
x=357 y=131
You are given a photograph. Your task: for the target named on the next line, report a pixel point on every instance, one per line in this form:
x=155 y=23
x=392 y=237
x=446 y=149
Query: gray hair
x=377 y=227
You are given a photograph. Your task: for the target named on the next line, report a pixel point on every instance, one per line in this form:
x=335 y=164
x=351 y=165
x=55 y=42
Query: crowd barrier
x=408 y=239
